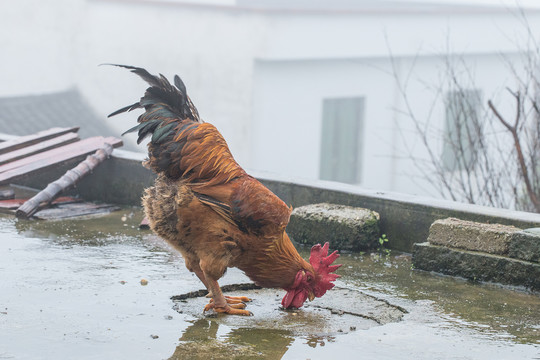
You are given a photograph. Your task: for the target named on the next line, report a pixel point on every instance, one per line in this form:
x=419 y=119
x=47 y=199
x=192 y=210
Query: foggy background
x=268 y=73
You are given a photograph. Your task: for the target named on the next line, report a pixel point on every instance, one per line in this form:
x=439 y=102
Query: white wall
x=288 y=113
x=211 y=50
x=37 y=45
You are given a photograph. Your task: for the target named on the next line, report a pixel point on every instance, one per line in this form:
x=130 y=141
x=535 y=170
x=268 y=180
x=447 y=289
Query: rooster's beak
x=311 y=295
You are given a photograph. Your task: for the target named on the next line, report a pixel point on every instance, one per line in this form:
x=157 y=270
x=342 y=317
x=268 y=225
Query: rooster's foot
x=236 y=304
x=232 y=309
x=232 y=299
x=235 y=299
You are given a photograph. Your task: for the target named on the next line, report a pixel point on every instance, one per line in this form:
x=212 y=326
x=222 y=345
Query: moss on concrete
x=525 y=245
x=345 y=227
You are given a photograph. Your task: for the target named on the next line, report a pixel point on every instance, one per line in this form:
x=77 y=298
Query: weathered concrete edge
x=121 y=180
x=405 y=219
x=473 y=236
x=493 y=239
x=476 y=266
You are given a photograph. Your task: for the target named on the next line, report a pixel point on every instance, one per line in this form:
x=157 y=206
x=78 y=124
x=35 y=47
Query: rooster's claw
x=235 y=299
x=233 y=309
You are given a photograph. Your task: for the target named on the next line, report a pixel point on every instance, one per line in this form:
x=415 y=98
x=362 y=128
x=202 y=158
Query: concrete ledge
x=345 y=227
x=476 y=266
x=474 y=236
x=405 y=219
x=493 y=239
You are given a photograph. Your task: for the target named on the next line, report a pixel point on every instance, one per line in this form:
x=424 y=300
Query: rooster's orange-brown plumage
x=212 y=211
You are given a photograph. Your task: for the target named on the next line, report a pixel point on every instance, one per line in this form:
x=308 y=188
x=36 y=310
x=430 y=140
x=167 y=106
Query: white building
x=301 y=88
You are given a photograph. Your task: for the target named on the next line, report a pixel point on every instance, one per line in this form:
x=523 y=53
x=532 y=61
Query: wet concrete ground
x=72 y=289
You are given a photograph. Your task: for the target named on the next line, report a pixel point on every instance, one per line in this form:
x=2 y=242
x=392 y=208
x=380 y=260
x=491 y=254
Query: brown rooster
x=206 y=206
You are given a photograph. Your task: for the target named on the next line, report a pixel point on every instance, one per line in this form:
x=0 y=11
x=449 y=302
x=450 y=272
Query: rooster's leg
x=220 y=304
x=200 y=275
x=230 y=299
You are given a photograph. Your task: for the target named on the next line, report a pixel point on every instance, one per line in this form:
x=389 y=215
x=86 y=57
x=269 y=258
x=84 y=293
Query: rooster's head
x=308 y=284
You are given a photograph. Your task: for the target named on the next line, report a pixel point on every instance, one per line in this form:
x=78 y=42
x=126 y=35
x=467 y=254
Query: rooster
x=207 y=207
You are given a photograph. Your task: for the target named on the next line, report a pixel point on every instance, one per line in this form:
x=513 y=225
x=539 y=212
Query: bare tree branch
x=517 y=145
x=484 y=169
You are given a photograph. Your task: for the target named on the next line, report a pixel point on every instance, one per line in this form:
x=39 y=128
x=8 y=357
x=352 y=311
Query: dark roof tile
x=23 y=115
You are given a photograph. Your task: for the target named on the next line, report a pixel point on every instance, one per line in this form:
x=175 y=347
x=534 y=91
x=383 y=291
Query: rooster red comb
x=322 y=264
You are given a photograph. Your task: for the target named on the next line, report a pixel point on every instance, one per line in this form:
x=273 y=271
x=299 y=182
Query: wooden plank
x=39 y=147
x=38 y=162
x=51 y=155
x=13 y=204
x=23 y=141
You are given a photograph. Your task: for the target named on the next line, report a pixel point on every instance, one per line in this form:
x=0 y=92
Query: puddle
x=72 y=289
x=346 y=310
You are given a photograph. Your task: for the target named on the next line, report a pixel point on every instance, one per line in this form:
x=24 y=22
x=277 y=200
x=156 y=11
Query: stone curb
x=344 y=227
x=493 y=239
x=469 y=235
x=476 y=266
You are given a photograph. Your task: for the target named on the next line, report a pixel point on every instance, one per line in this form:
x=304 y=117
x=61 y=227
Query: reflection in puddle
x=203 y=339
x=314 y=341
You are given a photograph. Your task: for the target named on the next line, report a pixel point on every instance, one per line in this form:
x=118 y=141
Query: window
x=341 y=150
x=463 y=129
